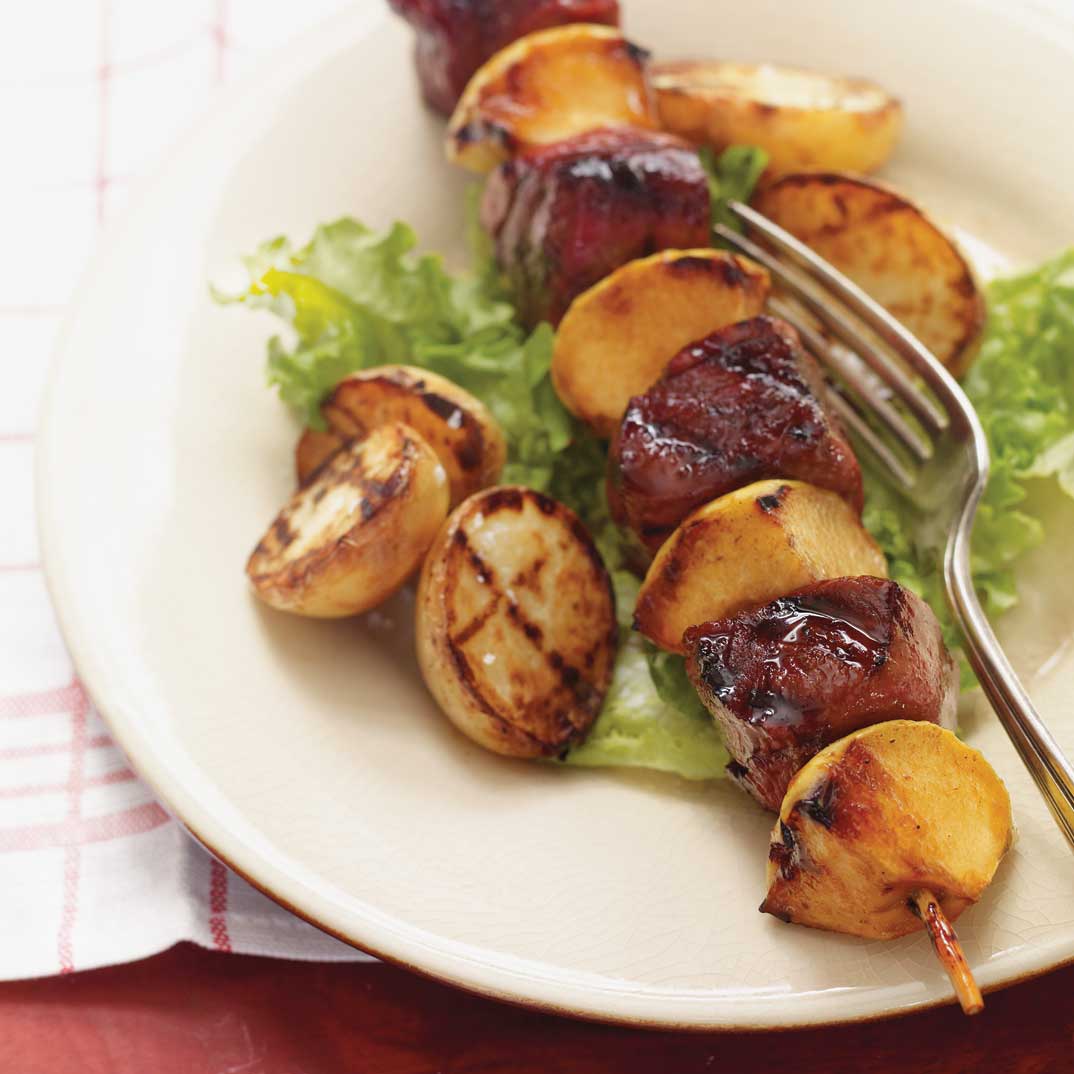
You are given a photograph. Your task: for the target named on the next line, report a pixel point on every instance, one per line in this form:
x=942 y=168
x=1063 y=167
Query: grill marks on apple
x=743 y=404
x=516 y=627
x=787 y=679
x=457 y=426
x=353 y=534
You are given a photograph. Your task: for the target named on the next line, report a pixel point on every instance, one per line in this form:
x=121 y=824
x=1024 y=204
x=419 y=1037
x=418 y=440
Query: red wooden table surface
x=197 y=1012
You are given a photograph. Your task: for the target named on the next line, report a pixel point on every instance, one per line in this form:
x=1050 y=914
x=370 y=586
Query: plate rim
x=548 y=991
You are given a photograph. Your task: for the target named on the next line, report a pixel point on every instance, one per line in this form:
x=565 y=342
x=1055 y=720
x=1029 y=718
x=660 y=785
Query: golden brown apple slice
x=747 y=548
x=891 y=249
x=618 y=336
x=352 y=536
x=546 y=87
x=516 y=630
x=466 y=438
x=890 y=828
x=802 y=119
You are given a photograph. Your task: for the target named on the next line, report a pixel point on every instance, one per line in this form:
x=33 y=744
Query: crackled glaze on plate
x=307 y=753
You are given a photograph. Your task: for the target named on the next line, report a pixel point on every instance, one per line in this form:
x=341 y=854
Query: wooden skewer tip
x=948 y=950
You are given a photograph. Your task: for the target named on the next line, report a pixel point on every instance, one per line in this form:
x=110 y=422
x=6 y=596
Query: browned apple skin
x=455 y=37
x=881 y=816
x=566 y=216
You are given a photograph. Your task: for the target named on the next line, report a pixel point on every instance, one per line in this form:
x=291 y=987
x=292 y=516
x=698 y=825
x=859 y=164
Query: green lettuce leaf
x=356 y=298
x=894 y=522
x=484 y=268
x=732 y=176
x=672 y=684
x=1022 y=385
x=636 y=728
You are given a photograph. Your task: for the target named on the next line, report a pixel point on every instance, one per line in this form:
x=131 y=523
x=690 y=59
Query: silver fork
x=939 y=458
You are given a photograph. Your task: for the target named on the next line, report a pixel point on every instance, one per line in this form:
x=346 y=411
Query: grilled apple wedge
x=619 y=335
x=546 y=87
x=454 y=37
x=882 y=814
x=459 y=428
x=357 y=531
x=516 y=629
x=892 y=250
x=747 y=548
x=314 y=448
x=802 y=119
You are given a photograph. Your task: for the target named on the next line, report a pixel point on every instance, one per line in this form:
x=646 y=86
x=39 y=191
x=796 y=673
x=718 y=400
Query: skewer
x=948 y=950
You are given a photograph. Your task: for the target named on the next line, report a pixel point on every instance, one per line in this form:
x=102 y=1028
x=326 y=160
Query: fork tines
x=882 y=372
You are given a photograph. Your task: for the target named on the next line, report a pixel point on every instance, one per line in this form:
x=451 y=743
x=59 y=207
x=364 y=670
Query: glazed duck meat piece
x=566 y=216
x=785 y=680
x=743 y=404
x=455 y=37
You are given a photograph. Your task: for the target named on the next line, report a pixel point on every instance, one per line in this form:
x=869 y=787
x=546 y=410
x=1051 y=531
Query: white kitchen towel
x=93 y=871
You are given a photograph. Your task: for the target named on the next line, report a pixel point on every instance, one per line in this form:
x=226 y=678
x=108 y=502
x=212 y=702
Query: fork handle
x=1047 y=764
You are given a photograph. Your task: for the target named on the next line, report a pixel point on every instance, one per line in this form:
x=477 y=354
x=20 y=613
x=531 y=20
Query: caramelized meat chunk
x=787 y=679
x=743 y=404
x=566 y=216
x=455 y=37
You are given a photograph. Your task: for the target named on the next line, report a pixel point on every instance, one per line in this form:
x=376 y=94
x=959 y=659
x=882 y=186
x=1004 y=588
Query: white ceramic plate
x=308 y=754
